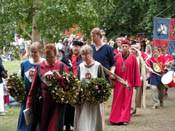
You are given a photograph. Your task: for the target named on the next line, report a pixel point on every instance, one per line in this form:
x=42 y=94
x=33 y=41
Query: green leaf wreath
x=17 y=90
x=97 y=90
x=69 y=93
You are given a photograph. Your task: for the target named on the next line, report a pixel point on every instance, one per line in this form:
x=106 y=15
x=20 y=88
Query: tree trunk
x=35 y=33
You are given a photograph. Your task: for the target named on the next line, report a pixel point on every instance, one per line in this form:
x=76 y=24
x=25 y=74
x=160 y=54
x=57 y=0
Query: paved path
x=162 y=119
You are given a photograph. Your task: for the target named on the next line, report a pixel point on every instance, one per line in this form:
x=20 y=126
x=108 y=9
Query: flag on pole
x=164 y=34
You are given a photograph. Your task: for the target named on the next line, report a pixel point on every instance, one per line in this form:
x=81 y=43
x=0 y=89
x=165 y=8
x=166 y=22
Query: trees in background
x=136 y=16
x=46 y=20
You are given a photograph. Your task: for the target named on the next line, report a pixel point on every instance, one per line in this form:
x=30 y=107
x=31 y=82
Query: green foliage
x=136 y=16
x=13 y=13
x=56 y=16
x=53 y=17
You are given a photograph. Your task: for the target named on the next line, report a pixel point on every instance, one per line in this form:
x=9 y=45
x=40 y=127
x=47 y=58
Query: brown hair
x=50 y=48
x=96 y=31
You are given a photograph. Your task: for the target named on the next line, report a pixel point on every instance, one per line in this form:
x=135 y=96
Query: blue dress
x=27 y=69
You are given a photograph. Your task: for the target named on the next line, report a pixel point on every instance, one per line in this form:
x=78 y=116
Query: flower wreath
x=97 y=90
x=69 y=93
x=17 y=90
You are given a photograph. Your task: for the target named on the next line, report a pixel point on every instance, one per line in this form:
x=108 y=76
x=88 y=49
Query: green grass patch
x=10 y=120
x=12 y=67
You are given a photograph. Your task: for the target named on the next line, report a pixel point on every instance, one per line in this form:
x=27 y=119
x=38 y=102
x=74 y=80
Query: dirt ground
x=161 y=119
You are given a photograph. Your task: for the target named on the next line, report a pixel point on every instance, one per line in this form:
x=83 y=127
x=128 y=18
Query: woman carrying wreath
x=88 y=116
x=52 y=113
x=27 y=72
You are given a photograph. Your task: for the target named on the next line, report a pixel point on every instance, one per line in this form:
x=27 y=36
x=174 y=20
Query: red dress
x=158 y=67
x=52 y=115
x=122 y=96
x=116 y=51
x=168 y=58
x=144 y=55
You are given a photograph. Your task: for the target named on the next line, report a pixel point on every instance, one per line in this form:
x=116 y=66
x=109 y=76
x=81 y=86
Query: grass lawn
x=9 y=121
x=12 y=67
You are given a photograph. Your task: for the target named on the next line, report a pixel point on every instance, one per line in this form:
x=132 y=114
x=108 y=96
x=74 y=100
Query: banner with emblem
x=164 y=34
x=161 y=28
x=172 y=29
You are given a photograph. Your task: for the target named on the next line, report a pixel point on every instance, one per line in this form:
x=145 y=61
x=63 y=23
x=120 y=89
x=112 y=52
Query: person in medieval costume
x=104 y=54
x=156 y=66
x=127 y=68
x=74 y=61
x=27 y=72
x=89 y=116
x=51 y=113
x=140 y=94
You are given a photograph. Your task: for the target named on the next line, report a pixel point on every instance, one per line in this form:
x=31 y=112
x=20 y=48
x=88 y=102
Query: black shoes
x=120 y=123
x=123 y=123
